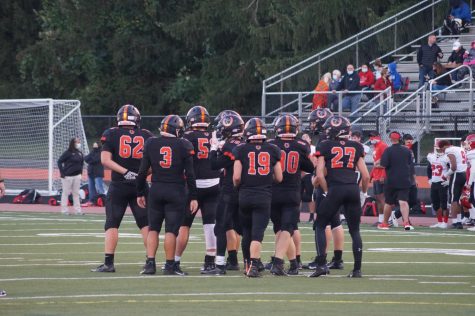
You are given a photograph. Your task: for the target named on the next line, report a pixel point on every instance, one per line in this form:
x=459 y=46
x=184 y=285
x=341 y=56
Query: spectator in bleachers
x=378 y=67
x=455 y=58
x=334 y=86
x=384 y=82
x=395 y=77
x=426 y=57
x=444 y=81
x=469 y=60
x=366 y=80
x=350 y=82
x=320 y=99
x=459 y=16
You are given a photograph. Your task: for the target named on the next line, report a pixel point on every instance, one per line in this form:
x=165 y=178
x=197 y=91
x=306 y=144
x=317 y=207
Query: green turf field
x=45 y=261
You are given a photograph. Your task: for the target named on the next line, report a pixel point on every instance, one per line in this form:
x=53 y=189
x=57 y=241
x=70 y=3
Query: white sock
x=342 y=217
x=472 y=212
x=220 y=260
x=210 y=239
x=177 y=258
x=380 y=218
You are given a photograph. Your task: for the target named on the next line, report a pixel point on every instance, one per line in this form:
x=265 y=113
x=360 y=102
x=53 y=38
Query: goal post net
x=33 y=135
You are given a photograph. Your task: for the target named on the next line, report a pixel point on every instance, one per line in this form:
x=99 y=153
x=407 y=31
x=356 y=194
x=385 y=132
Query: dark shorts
x=119 y=196
x=456 y=184
x=207 y=202
x=378 y=187
x=439 y=196
x=227 y=212
x=254 y=211
x=306 y=190
x=285 y=209
x=166 y=203
x=392 y=196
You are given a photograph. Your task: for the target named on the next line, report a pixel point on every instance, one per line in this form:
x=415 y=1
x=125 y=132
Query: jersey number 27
x=341 y=152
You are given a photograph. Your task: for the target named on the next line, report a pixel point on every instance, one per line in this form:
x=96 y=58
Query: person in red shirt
x=378 y=174
x=383 y=82
x=366 y=80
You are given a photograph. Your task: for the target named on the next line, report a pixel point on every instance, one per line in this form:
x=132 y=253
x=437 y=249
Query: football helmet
x=317 y=118
x=172 y=124
x=224 y=113
x=128 y=115
x=286 y=125
x=255 y=129
x=336 y=127
x=230 y=125
x=470 y=141
x=197 y=116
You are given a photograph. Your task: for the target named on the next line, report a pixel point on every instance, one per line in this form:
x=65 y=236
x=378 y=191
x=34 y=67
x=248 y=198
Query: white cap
x=456 y=45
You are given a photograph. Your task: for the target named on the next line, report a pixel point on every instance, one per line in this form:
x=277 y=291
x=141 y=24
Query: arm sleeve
x=419 y=56
x=225 y=159
x=384 y=162
x=61 y=160
x=143 y=170
x=190 y=178
x=305 y=162
x=429 y=170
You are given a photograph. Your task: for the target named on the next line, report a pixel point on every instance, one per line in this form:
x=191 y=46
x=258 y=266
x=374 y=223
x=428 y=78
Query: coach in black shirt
x=426 y=57
x=398 y=162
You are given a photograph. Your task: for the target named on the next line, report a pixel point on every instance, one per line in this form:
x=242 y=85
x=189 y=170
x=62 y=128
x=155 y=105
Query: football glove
x=130 y=175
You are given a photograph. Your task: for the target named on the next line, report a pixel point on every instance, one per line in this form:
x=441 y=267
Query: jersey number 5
x=129 y=147
x=339 y=153
x=263 y=162
x=203 y=150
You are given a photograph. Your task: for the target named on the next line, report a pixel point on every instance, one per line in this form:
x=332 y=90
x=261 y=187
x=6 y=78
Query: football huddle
x=239 y=180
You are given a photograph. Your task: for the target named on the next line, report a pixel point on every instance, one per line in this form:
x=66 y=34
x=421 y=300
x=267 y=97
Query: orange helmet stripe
x=125 y=114
x=287 y=124
x=202 y=114
x=165 y=124
x=258 y=127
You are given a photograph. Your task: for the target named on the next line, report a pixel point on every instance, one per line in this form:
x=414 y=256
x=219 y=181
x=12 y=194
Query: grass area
x=45 y=261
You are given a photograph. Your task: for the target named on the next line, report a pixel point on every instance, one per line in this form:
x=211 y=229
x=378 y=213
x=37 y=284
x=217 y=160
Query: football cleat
x=471 y=229
x=268 y=266
x=149 y=268
x=335 y=264
x=436 y=225
x=253 y=272
x=408 y=226
x=173 y=270
x=232 y=266
x=311 y=265
x=443 y=225
x=260 y=266
x=383 y=226
x=278 y=270
x=218 y=270
x=393 y=219
x=355 y=274
x=319 y=271
x=292 y=271
x=104 y=268
x=3 y=293
x=457 y=225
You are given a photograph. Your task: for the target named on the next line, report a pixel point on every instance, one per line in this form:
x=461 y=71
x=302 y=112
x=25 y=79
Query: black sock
x=209 y=259
x=338 y=254
x=149 y=259
x=278 y=261
x=109 y=259
x=293 y=264
x=272 y=259
x=298 y=259
x=312 y=217
x=170 y=263
x=232 y=256
x=255 y=262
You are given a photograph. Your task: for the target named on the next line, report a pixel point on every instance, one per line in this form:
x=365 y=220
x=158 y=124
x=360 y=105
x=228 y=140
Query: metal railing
x=355 y=43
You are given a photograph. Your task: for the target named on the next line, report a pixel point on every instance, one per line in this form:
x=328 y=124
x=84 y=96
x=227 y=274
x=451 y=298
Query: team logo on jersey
x=258 y=147
x=131 y=131
x=206 y=134
x=342 y=142
x=286 y=145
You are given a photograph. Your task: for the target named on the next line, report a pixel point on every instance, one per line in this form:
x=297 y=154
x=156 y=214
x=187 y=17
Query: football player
x=470 y=144
x=286 y=194
x=122 y=150
x=438 y=165
x=207 y=183
x=338 y=160
x=317 y=119
x=171 y=159
x=378 y=173
x=256 y=167
x=456 y=173
x=230 y=128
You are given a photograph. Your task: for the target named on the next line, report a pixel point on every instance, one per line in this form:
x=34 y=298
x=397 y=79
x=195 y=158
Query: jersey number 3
x=263 y=162
x=129 y=147
x=339 y=153
x=166 y=152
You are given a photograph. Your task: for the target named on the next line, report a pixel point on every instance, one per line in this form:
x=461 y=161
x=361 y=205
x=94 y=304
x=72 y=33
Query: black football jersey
x=171 y=160
x=201 y=162
x=224 y=159
x=341 y=157
x=126 y=146
x=294 y=157
x=258 y=161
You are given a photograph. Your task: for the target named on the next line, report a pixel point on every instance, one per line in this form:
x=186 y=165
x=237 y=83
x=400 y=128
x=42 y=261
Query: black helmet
x=337 y=126
x=197 y=116
x=255 y=129
x=317 y=118
x=286 y=125
x=172 y=124
x=230 y=125
x=222 y=114
x=128 y=115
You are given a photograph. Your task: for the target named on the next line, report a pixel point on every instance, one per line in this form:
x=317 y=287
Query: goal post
x=33 y=135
